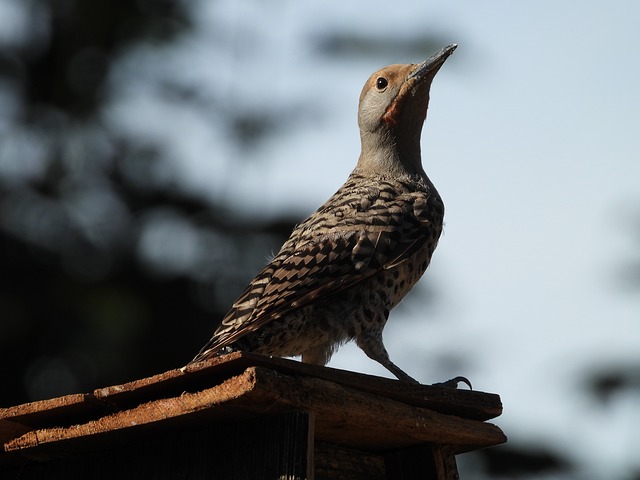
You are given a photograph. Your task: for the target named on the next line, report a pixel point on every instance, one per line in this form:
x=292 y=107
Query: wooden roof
x=350 y=409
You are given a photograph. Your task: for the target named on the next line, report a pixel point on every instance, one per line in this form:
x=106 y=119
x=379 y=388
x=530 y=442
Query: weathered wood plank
x=79 y=408
x=10 y=430
x=363 y=425
x=54 y=411
x=334 y=462
x=272 y=447
x=466 y=403
x=343 y=416
x=445 y=462
x=362 y=420
x=156 y=414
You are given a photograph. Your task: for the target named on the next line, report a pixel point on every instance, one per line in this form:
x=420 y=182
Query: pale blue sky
x=532 y=140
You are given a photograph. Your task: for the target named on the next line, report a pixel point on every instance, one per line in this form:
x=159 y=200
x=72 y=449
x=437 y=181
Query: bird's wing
x=323 y=264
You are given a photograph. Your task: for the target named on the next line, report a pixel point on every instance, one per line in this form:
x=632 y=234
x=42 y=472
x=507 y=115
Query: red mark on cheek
x=390 y=116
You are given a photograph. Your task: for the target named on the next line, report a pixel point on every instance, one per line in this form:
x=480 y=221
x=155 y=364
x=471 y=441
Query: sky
x=531 y=139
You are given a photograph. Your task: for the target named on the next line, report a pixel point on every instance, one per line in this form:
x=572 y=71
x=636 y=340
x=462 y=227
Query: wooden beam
x=343 y=416
x=272 y=447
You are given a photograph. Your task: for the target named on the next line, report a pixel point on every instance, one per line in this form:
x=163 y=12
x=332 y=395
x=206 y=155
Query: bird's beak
x=430 y=66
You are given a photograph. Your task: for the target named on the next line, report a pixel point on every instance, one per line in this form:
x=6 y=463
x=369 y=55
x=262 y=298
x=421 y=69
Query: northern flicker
x=347 y=265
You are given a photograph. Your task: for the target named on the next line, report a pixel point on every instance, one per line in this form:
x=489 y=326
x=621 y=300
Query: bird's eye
x=381 y=83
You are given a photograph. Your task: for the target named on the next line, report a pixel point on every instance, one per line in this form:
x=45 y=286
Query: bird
x=345 y=267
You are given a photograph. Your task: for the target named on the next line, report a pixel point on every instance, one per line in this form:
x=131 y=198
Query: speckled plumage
x=346 y=266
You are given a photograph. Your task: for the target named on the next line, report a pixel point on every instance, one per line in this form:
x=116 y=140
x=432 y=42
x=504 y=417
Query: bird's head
x=393 y=107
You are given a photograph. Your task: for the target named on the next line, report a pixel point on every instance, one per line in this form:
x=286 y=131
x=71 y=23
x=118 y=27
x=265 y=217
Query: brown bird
x=347 y=265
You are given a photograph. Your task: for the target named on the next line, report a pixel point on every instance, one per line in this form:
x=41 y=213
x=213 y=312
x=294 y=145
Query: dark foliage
x=513 y=462
x=605 y=383
x=83 y=304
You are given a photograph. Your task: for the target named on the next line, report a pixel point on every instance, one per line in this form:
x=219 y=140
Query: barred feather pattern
x=339 y=274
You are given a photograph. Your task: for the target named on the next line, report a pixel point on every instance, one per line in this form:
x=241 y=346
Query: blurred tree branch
x=89 y=293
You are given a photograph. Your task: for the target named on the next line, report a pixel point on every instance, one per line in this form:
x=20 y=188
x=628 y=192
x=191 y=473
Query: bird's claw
x=453 y=383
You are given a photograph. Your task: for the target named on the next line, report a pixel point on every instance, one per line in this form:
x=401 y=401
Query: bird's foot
x=453 y=383
x=404 y=377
